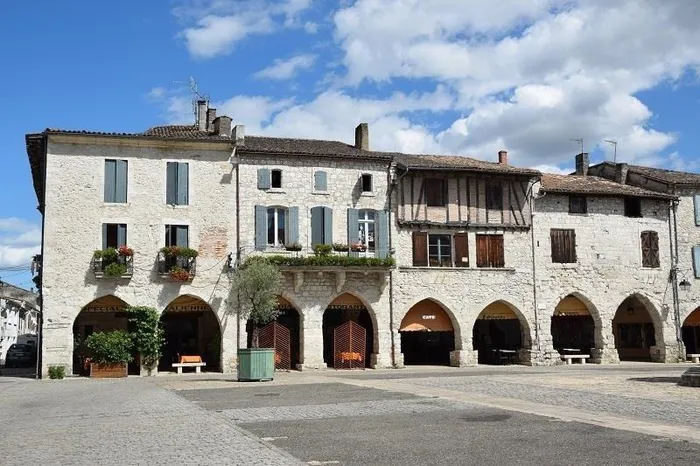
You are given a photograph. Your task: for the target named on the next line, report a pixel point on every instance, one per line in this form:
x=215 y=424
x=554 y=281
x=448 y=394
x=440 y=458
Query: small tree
x=254 y=289
x=110 y=347
x=146 y=334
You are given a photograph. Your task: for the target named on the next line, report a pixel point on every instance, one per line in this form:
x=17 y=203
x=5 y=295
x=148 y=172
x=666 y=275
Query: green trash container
x=256 y=364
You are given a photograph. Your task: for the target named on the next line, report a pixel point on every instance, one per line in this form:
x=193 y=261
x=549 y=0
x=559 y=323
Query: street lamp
x=684 y=285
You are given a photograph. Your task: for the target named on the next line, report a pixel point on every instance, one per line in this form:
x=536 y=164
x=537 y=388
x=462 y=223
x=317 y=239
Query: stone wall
x=688 y=236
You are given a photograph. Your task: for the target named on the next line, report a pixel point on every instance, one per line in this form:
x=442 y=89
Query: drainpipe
x=238 y=248
x=40 y=316
x=534 y=267
x=673 y=239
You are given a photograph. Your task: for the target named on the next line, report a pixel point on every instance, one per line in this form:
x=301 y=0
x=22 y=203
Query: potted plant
x=254 y=290
x=358 y=247
x=147 y=336
x=340 y=247
x=296 y=247
x=110 y=353
x=115 y=269
x=179 y=274
x=322 y=249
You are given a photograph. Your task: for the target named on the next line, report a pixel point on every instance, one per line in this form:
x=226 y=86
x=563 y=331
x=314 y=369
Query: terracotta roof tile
x=456 y=162
x=595 y=186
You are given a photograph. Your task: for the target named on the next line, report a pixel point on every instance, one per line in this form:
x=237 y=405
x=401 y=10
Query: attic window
x=578 y=205
x=633 y=207
x=276 y=178
x=366 y=183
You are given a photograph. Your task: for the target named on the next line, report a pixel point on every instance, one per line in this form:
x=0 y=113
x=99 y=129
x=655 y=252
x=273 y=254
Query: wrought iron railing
x=104 y=268
x=169 y=265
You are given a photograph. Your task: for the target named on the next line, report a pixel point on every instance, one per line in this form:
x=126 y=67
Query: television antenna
x=194 y=92
x=580 y=142
x=613 y=143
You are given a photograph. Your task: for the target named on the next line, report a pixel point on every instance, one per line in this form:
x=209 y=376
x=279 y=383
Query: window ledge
x=565 y=265
x=116 y=204
x=579 y=214
x=652 y=269
x=178 y=206
x=368 y=194
x=321 y=193
x=276 y=190
x=455 y=269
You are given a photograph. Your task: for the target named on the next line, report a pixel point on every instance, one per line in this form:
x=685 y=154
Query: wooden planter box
x=256 y=364
x=108 y=371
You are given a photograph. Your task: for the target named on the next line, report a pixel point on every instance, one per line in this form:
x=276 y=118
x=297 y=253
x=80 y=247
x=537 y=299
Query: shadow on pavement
x=656 y=379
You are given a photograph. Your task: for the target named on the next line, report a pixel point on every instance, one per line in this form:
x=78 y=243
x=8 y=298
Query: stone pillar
x=605 y=351
x=398 y=355
x=230 y=342
x=464 y=358
x=312 y=343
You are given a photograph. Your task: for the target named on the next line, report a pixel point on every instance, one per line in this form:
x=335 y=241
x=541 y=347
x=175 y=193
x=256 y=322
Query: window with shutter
x=494 y=195
x=115 y=181
x=461 y=250
x=439 y=250
x=489 y=251
x=696 y=261
x=435 y=195
x=263 y=178
x=563 y=245
x=578 y=205
x=177 y=235
x=113 y=235
x=177 y=183
x=276 y=178
x=420 y=249
x=320 y=181
x=321 y=225
x=276 y=226
x=696 y=205
x=650 y=249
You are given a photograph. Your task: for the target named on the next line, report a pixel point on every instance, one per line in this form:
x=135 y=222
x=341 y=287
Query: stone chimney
x=621 y=173
x=211 y=116
x=362 y=136
x=239 y=135
x=503 y=157
x=222 y=126
x=202 y=114
x=582 y=164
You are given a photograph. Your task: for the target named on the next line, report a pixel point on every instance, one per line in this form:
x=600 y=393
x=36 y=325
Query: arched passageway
x=573 y=328
x=498 y=334
x=427 y=334
x=691 y=332
x=348 y=334
x=104 y=314
x=634 y=330
x=191 y=329
x=283 y=334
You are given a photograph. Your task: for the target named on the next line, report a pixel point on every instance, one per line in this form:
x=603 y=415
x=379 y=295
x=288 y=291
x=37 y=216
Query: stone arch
x=344 y=307
x=192 y=328
x=429 y=333
x=567 y=307
x=291 y=318
x=690 y=332
x=500 y=332
x=448 y=310
x=634 y=338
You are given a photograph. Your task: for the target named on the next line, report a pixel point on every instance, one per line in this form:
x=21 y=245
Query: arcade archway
x=573 y=327
x=348 y=334
x=191 y=329
x=283 y=334
x=427 y=334
x=691 y=332
x=498 y=334
x=634 y=330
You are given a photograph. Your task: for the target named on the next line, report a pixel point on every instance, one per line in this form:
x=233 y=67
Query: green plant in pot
x=254 y=290
x=109 y=353
x=147 y=335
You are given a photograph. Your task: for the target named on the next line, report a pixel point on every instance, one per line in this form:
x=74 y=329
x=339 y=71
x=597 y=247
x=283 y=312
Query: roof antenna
x=613 y=143
x=579 y=141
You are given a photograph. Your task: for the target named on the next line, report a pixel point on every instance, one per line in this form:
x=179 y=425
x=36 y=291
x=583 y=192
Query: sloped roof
x=672 y=177
x=595 y=186
x=456 y=162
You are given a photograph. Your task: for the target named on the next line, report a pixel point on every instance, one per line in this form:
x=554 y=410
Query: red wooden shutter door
x=461 y=250
x=482 y=251
x=420 y=249
x=496 y=251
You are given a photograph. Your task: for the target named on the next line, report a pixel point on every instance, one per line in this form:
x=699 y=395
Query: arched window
x=366 y=228
x=276 y=226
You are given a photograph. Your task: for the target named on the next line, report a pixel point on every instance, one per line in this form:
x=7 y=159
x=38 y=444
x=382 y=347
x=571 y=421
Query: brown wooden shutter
x=461 y=250
x=563 y=246
x=420 y=249
x=496 y=255
x=482 y=251
x=650 y=249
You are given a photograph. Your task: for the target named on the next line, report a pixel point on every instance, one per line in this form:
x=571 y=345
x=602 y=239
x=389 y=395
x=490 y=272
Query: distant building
x=18 y=317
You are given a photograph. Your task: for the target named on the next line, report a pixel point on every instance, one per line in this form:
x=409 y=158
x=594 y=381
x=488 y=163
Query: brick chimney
x=202 y=106
x=621 y=173
x=222 y=126
x=211 y=116
x=362 y=136
x=503 y=157
x=582 y=164
x=239 y=135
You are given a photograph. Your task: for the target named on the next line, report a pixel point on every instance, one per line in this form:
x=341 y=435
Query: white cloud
x=215 y=35
x=286 y=69
x=19 y=241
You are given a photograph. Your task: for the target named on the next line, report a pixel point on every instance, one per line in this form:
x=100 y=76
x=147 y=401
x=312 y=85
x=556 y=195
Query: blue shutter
x=104 y=236
x=320 y=181
x=696 y=260
x=293 y=225
x=171 y=184
x=110 y=177
x=316 y=225
x=327 y=225
x=696 y=201
x=260 y=227
x=263 y=178
x=353 y=226
x=121 y=234
x=183 y=183
x=182 y=236
x=381 y=232
x=121 y=181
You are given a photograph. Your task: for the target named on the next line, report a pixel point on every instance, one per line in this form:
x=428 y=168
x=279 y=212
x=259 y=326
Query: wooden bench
x=197 y=366
x=569 y=357
x=694 y=357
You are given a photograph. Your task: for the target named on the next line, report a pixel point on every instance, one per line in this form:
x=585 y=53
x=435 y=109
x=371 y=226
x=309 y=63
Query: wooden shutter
x=696 y=261
x=316 y=225
x=482 y=251
x=171 y=184
x=110 y=179
x=496 y=256
x=104 y=235
x=263 y=178
x=696 y=203
x=563 y=244
x=461 y=250
x=120 y=181
x=293 y=225
x=420 y=249
x=260 y=227
x=168 y=242
x=183 y=183
x=182 y=236
x=650 y=249
x=353 y=226
x=381 y=233
x=320 y=181
x=327 y=225
x=121 y=235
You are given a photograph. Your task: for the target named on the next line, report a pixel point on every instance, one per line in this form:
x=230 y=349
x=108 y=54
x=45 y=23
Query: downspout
x=238 y=246
x=534 y=268
x=40 y=317
x=391 y=272
x=673 y=237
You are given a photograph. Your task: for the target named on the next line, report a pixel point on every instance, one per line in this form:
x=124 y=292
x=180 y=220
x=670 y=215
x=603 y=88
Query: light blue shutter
x=263 y=178
x=316 y=225
x=171 y=184
x=353 y=226
x=381 y=232
x=260 y=227
x=321 y=181
x=121 y=235
x=104 y=236
x=293 y=225
x=696 y=260
x=327 y=225
x=167 y=236
x=183 y=170
x=696 y=201
x=121 y=181
x=110 y=176
x=182 y=236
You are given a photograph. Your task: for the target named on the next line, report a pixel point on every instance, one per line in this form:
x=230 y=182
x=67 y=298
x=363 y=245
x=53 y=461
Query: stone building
x=431 y=259
x=18 y=317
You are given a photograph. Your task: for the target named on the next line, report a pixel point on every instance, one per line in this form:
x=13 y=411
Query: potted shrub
x=296 y=247
x=322 y=249
x=179 y=274
x=254 y=290
x=110 y=353
x=340 y=247
x=147 y=336
x=358 y=247
x=115 y=269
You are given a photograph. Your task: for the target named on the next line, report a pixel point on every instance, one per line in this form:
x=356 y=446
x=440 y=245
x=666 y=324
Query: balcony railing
x=179 y=267
x=113 y=267
x=354 y=259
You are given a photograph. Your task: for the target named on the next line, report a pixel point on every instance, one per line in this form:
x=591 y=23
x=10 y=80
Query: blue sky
x=439 y=76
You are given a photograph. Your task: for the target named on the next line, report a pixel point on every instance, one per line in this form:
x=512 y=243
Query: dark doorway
x=335 y=316
x=634 y=331
x=288 y=318
x=427 y=348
